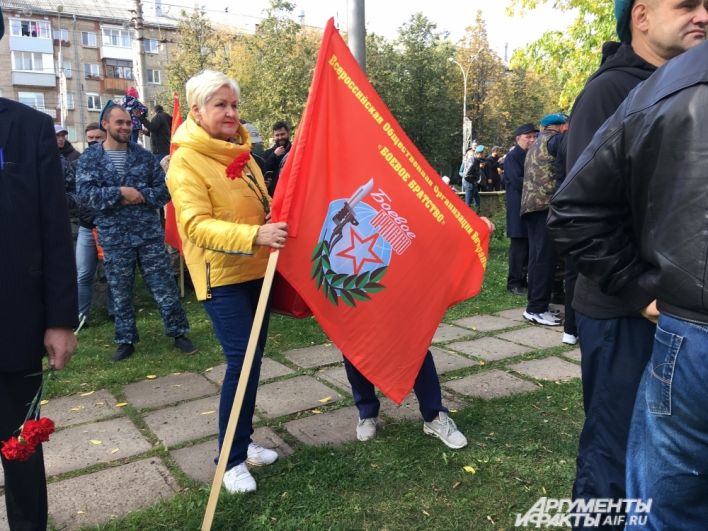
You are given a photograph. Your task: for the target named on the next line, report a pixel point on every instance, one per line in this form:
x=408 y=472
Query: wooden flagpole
x=240 y=392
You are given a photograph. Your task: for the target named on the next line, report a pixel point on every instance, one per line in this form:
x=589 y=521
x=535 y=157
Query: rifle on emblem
x=346 y=214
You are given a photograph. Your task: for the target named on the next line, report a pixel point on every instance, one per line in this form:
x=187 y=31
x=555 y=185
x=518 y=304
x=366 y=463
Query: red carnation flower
x=17 y=449
x=37 y=431
x=234 y=169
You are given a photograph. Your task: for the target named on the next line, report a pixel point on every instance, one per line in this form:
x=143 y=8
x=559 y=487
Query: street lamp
x=464 y=100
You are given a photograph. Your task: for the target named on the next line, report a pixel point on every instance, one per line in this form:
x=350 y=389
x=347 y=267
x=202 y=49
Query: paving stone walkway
x=304 y=400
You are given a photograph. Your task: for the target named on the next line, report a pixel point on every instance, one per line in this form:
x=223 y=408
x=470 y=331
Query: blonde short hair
x=201 y=88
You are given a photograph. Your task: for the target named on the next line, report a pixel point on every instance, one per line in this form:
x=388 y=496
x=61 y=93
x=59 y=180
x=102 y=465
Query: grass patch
x=521 y=448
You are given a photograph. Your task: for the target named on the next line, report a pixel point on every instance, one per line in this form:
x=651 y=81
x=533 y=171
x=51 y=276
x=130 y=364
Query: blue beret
x=553 y=119
x=623 y=10
x=479 y=149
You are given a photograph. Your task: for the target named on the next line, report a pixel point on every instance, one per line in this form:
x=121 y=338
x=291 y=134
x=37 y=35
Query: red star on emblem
x=360 y=253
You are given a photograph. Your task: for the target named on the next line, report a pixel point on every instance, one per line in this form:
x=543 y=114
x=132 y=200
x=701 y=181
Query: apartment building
x=83 y=53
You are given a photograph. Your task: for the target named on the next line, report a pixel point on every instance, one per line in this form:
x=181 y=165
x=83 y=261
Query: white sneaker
x=259 y=456
x=545 y=318
x=444 y=428
x=569 y=339
x=366 y=429
x=239 y=479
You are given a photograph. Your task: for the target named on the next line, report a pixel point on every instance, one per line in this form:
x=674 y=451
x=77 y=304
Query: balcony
x=34 y=79
x=116 y=85
x=31 y=44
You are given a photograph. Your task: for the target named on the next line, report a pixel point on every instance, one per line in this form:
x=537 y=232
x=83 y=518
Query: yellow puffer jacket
x=218 y=218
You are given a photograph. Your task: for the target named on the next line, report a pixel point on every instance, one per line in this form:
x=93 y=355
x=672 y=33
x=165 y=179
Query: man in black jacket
x=632 y=224
x=615 y=339
x=160 y=131
x=274 y=157
x=37 y=290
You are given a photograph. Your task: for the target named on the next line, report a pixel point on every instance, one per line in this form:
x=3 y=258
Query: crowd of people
x=599 y=191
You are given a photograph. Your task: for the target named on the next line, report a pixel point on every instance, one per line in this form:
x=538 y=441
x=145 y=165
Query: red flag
x=171 y=233
x=379 y=246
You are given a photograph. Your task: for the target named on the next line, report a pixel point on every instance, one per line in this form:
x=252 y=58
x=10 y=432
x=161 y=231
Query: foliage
x=413 y=74
x=276 y=75
x=198 y=43
x=567 y=58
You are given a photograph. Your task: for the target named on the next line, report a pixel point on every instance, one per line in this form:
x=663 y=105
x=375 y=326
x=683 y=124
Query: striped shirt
x=118 y=160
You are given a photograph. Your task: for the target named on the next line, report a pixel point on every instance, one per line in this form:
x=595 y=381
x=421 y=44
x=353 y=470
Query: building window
x=29 y=61
x=29 y=28
x=68 y=71
x=70 y=101
x=117 y=37
x=61 y=35
x=91 y=71
x=72 y=133
x=93 y=102
x=151 y=45
x=119 y=69
x=31 y=99
x=153 y=77
x=88 y=39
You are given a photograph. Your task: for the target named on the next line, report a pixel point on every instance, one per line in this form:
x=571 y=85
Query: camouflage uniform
x=539 y=180
x=131 y=234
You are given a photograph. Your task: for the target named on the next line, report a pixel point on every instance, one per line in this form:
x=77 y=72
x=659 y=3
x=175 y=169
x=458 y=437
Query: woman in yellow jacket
x=222 y=211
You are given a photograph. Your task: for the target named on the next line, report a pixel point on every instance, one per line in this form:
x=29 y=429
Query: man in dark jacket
x=37 y=290
x=275 y=156
x=515 y=226
x=631 y=226
x=538 y=187
x=615 y=339
x=159 y=130
x=491 y=180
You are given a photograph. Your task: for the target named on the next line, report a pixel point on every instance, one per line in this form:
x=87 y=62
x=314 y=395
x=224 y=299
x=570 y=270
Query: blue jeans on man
x=471 y=194
x=667 y=453
x=231 y=310
x=86 y=263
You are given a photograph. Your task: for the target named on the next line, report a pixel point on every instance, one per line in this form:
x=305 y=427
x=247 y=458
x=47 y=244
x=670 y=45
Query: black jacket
x=620 y=71
x=160 y=129
x=272 y=165
x=514 y=175
x=633 y=213
x=37 y=272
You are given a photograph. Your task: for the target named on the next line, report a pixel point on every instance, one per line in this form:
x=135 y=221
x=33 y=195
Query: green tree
x=274 y=67
x=568 y=58
x=198 y=43
x=412 y=75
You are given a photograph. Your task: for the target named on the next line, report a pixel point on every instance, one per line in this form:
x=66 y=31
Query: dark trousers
x=427 y=391
x=614 y=355
x=518 y=262
x=25 y=482
x=231 y=310
x=571 y=275
x=542 y=262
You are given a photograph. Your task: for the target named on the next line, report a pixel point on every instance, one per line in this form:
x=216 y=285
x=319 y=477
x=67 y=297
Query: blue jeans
x=471 y=194
x=427 y=391
x=231 y=310
x=86 y=262
x=667 y=453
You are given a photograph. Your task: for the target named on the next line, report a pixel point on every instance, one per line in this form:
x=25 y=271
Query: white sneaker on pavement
x=239 y=479
x=259 y=456
x=444 y=428
x=545 y=318
x=569 y=339
x=366 y=429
